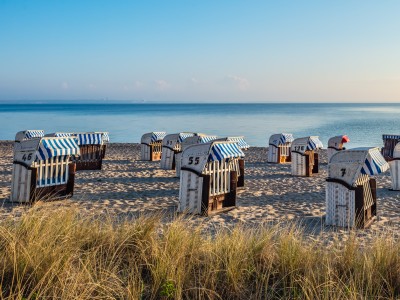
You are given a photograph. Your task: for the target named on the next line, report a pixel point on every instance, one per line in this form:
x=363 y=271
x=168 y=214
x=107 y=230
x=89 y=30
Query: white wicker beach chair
x=42 y=168
x=209 y=175
x=304 y=156
x=171 y=145
x=350 y=192
x=335 y=144
x=151 y=146
x=279 y=148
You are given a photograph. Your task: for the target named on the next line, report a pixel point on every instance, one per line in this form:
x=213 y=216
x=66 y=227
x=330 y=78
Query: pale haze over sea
x=363 y=123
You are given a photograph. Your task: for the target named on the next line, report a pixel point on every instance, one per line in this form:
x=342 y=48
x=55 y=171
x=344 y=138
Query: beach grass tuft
x=67 y=254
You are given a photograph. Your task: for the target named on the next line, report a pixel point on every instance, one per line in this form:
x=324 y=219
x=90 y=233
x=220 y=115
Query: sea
x=364 y=124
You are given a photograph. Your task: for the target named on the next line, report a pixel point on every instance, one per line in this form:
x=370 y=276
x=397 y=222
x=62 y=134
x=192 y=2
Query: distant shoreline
x=137 y=102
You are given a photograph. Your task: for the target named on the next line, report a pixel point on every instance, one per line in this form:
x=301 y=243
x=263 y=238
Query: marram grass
x=63 y=254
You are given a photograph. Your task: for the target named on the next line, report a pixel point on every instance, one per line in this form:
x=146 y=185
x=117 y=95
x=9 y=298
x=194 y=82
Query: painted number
x=196 y=160
x=27 y=157
x=343 y=171
x=298 y=148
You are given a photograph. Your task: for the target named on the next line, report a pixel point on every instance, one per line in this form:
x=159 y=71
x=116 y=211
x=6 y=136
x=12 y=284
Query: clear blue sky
x=195 y=51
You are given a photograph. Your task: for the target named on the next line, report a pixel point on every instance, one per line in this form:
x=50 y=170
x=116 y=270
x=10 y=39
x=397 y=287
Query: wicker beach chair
x=209 y=174
x=171 y=145
x=350 y=192
x=304 y=156
x=279 y=148
x=389 y=142
x=335 y=144
x=42 y=168
x=151 y=146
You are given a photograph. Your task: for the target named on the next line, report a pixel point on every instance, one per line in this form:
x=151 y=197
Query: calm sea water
x=363 y=123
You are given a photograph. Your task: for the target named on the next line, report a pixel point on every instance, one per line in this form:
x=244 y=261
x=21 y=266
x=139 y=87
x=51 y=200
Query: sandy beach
x=127 y=187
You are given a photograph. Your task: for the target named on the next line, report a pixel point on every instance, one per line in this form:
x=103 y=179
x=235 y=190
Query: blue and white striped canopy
x=106 y=136
x=286 y=138
x=390 y=136
x=314 y=143
x=240 y=141
x=220 y=151
x=62 y=134
x=29 y=134
x=52 y=147
x=184 y=135
x=207 y=139
x=158 y=136
x=374 y=164
x=89 y=138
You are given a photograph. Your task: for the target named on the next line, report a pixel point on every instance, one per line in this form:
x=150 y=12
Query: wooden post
x=205 y=195
x=278 y=155
x=372 y=184
x=359 y=207
x=315 y=166
x=230 y=200
x=33 y=184
x=240 y=182
x=71 y=179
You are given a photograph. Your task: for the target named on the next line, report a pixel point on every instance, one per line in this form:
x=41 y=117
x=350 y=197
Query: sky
x=200 y=51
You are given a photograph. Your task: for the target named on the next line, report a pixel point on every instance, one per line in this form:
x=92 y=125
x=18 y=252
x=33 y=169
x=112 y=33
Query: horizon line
x=66 y=101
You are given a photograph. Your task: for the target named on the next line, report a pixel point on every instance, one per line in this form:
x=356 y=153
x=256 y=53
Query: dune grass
x=68 y=255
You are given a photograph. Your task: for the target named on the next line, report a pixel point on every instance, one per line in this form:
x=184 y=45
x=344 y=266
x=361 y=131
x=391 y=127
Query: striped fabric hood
x=286 y=138
x=207 y=138
x=106 y=136
x=90 y=139
x=52 y=147
x=281 y=139
x=349 y=165
x=184 y=135
x=220 y=151
x=63 y=134
x=390 y=137
x=309 y=143
x=240 y=141
x=374 y=163
x=158 y=136
x=29 y=134
x=314 y=143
